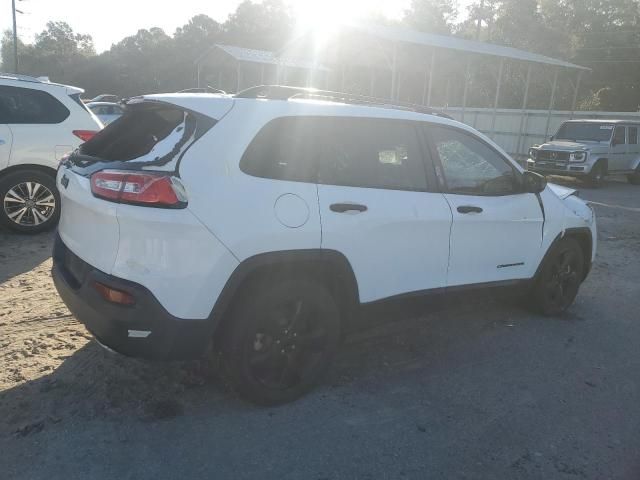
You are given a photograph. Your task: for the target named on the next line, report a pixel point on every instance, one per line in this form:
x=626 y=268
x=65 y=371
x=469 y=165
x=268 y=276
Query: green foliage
x=431 y=16
x=150 y=60
x=601 y=34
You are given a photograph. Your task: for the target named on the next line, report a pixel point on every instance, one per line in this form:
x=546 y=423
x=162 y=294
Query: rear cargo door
x=153 y=135
x=88 y=225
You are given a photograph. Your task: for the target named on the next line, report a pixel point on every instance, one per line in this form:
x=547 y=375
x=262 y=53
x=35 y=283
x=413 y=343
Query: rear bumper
x=124 y=328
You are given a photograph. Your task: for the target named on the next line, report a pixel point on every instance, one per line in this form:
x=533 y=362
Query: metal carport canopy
x=405 y=35
x=252 y=55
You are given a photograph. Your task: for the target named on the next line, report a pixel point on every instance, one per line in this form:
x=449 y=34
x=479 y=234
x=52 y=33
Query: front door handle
x=2 y=142
x=469 y=209
x=347 y=207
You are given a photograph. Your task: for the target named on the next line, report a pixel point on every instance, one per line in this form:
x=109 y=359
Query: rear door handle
x=347 y=207
x=469 y=209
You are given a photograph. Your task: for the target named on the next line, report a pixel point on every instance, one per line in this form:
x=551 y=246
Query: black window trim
x=423 y=151
x=437 y=162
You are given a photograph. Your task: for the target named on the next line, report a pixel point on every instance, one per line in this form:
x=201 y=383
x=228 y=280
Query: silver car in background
x=590 y=149
x=107 y=112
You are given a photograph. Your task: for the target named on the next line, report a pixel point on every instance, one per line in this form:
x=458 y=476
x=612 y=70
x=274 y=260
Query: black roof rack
x=284 y=92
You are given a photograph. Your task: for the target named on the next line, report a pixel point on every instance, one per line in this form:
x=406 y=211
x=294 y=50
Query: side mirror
x=533 y=182
x=551 y=138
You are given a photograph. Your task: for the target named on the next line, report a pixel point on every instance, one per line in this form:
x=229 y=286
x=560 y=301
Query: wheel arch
x=27 y=166
x=583 y=236
x=328 y=266
x=602 y=160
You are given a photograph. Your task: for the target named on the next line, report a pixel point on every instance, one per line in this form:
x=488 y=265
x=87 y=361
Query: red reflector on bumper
x=114 y=296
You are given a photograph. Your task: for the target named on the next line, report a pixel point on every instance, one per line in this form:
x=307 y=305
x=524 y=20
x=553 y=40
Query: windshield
x=590 y=132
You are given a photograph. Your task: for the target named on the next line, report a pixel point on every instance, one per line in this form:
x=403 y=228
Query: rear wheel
x=634 y=178
x=556 y=286
x=30 y=201
x=279 y=340
x=597 y=174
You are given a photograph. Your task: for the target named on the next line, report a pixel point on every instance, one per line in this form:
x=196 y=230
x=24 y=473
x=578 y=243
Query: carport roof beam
x=405 y=35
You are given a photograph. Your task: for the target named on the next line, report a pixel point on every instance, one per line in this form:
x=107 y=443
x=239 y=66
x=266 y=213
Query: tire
x=597 y=174
x=279 y=340
x=634 y=178
x=557 y=283
x=29 y=201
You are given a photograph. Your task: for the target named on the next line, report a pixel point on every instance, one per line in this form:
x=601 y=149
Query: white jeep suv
x=40 y=122
x=258 y=223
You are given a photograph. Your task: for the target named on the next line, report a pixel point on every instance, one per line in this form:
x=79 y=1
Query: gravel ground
x=462 y=387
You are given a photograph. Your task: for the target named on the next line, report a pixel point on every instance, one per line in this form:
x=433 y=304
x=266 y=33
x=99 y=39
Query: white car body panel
x=6 y=141
x=499 y=243
x=168 y=251
x=172 y=254
x=405 y=242
x=561 y=191
x=215 y=158
x=45 y=144
x=88 y=225
x=400 y=244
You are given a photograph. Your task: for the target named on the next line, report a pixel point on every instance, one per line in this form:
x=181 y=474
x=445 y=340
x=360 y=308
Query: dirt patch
x=53 y=370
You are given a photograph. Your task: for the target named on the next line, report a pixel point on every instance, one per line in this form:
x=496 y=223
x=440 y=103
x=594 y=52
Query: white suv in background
x=259 y=223
x=40 y=122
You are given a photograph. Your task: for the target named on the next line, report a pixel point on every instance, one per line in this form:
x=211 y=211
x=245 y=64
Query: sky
x=109 y=21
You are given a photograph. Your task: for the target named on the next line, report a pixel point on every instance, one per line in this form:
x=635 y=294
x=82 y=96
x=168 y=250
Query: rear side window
x=356 y=152
x=633 y=135
x=24 y=105
x=618 y=136
x=284 y=149
x=153 y=134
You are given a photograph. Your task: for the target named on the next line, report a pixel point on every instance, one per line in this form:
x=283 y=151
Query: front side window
x=25 y=105
x=471 y=167
x=618 y=136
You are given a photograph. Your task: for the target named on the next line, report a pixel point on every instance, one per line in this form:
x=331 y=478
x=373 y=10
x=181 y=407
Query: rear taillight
x=84 y=135
x=147 y=189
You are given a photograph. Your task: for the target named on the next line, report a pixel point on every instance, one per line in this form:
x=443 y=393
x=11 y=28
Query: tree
x=485 y=11
x=266 y=26
x=431 y=16
x=6 y=51
x=59 y=39
x=57 y=52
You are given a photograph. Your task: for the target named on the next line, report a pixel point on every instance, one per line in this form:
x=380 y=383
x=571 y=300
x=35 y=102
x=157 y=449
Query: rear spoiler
x=214 y=106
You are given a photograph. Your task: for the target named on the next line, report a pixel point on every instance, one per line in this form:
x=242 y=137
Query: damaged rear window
x=152 y=135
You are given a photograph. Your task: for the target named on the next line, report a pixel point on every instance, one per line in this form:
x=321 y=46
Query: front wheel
x=556 y=286
x=30 y=201
x=597 y=174
x=279 y=340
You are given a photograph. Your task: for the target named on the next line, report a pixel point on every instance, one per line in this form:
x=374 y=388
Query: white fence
x=517 y=130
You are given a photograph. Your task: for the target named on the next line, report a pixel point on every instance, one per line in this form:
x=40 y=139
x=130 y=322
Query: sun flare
x=325 y=17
